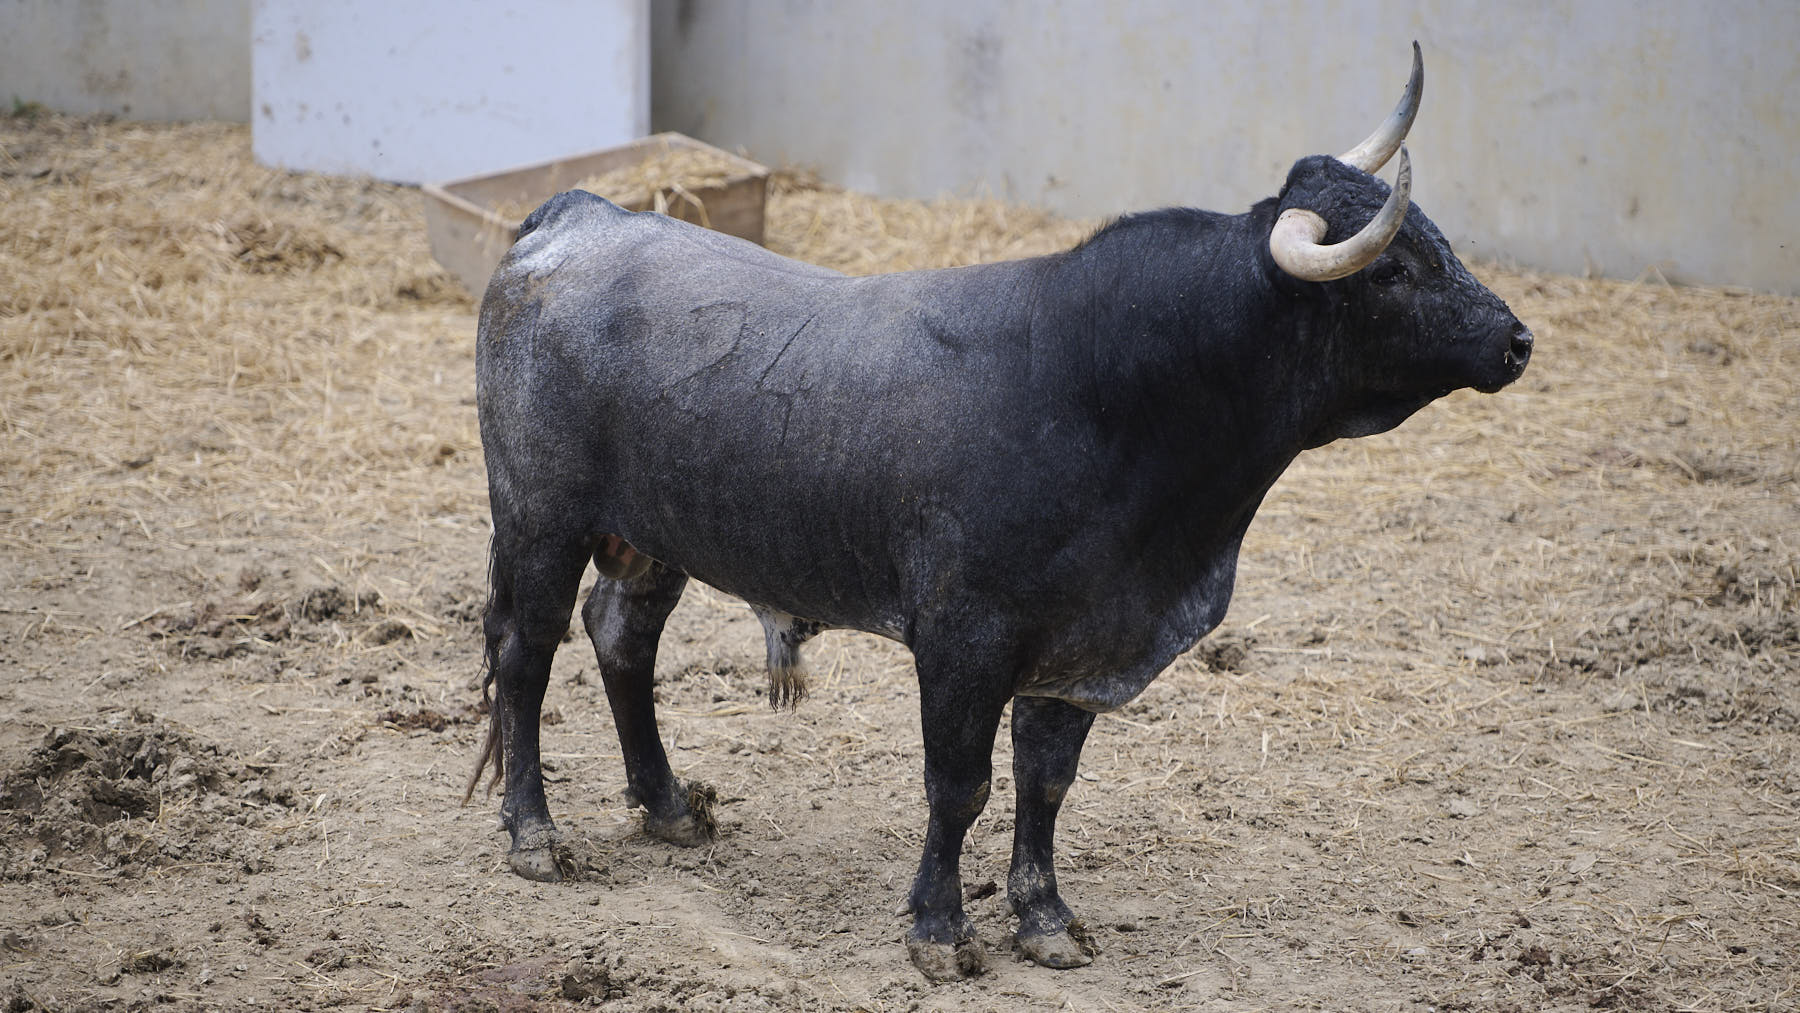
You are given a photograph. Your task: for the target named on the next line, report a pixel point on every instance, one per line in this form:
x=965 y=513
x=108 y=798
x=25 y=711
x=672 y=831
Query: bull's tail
x=491 y=624
x=490 y=750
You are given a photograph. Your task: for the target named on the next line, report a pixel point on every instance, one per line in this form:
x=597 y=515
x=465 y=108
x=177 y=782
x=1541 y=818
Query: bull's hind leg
x=624 y=619
x=1047 y=737
x=534 y=592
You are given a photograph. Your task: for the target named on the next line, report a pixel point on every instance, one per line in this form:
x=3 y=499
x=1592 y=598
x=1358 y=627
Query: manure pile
x=1505 y=715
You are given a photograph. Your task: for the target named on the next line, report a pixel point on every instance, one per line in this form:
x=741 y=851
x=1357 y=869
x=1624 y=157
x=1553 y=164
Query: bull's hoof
x=684 y=830
x=1072 y=947
x=537 y=864
x=691 y=822
x=533 y=852
x=944 y=962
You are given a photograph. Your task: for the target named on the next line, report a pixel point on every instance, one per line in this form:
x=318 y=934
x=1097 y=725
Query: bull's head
x=1413 y=323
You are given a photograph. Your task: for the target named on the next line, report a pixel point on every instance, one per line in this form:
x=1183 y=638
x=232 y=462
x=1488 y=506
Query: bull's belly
x=831 y=594
x=1098 y=674
x=1097 y=693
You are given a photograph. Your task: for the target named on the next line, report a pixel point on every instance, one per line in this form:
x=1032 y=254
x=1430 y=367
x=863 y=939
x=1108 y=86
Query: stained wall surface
x=406 y=90
x=1574 y=135
x=156 y=60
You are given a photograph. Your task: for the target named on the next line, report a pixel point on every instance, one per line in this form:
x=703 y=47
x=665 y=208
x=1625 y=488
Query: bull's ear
x=1296 y=245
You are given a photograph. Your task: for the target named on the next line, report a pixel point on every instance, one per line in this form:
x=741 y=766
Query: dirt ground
x=1505 y=714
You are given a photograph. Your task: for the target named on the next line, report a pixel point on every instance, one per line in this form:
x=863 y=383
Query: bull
x=1034 y=474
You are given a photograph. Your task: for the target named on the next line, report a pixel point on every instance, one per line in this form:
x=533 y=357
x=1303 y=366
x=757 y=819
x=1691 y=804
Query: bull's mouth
x=1514 y=369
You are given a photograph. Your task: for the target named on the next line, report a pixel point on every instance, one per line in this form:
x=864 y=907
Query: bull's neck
x=1197 y=357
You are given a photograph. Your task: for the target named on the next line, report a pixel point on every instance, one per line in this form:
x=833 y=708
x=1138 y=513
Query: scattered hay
x=858 y=234
x=665 y=180
x=190 y=336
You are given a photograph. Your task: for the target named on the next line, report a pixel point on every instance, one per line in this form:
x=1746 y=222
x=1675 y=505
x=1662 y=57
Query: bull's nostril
x=1521 y=345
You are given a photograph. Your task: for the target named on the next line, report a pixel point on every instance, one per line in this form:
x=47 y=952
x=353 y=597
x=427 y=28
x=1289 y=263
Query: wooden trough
x=471 y=222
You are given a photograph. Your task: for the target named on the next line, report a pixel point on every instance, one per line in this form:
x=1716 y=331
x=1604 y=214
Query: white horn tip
x=1378 y=147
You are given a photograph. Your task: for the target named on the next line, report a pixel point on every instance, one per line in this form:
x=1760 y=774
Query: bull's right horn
x=1380 y=146
x=1294 y=242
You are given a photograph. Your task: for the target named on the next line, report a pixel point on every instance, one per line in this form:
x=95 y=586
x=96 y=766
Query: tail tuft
x=783 y=635
x=787 y=684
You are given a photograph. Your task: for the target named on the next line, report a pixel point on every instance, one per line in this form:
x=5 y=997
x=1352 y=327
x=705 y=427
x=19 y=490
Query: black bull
x=1035 y=474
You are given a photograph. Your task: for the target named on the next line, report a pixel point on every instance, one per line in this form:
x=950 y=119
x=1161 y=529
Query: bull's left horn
x=1380 y=146
x=1294 y=242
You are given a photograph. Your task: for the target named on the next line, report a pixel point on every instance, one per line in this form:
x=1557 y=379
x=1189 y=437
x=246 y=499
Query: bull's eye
x=1388 y=272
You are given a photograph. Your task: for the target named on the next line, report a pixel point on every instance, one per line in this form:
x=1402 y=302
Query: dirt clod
x=428 y=719
x=98 y=797
x=150 y=962
x=330 y=601
x=587 y=979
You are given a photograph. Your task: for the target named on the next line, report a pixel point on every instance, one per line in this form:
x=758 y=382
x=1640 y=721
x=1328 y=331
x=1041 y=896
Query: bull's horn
x=1380 y=146
x=1294 y=242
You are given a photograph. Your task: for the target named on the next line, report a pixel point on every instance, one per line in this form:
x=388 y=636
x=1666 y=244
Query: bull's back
x=746 y=418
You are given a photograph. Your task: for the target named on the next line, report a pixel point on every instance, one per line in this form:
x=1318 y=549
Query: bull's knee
x=533 y=637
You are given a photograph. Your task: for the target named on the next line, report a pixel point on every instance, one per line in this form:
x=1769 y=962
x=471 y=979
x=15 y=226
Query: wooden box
x=471 y=222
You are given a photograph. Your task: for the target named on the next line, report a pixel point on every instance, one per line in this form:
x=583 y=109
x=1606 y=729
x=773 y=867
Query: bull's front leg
x=1047 y=737
x=960 y=711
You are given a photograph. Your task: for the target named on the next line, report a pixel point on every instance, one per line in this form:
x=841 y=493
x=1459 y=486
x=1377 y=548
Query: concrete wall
x=422 y=90
x=1576 y=135
x=1573 y=135
x=141 y=59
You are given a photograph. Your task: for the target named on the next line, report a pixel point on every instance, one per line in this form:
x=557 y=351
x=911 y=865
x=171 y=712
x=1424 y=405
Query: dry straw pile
x=182 y=326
